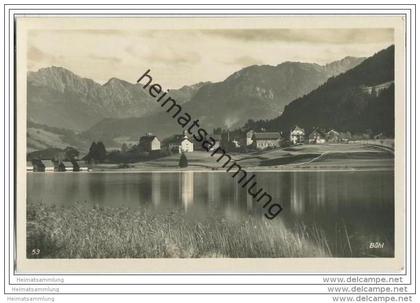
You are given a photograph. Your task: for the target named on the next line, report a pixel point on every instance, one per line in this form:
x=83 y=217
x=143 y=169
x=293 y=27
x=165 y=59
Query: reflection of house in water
x=213 y=189
x=297 y=191
x=319 y=189
x=187 y=189
x=156 y=188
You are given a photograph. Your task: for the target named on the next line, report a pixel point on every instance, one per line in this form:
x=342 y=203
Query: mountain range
x=59 y=98
x=66 y=106
x=255 y=92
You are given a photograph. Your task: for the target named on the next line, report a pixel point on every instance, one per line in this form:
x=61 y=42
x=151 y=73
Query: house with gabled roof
x=49 y=165
x=181 y=144
x=333 y=136
x=266 y=140
x=149 y=143
x=317 y=137
x=297 y=135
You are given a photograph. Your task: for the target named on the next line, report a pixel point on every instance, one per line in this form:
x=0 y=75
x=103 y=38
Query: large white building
x=181 y=144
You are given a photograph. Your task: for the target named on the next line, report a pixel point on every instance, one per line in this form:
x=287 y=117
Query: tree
x=100 y=152
x=124 y=148
x=183 y=161
x=97 y=153
x=71 y=153
x=76 y=166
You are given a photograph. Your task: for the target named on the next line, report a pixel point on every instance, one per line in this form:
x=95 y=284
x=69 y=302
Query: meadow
x=353 y=156
x=86 y=231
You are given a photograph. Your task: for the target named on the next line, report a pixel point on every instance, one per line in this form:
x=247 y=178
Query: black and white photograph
x=216 y=139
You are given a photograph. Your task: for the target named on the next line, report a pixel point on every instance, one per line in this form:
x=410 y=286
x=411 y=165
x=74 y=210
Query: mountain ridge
x=344 y=102
x=254 y=92
x=58 y=97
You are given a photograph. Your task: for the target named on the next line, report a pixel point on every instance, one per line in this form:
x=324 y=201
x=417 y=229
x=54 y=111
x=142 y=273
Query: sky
x=182 y=57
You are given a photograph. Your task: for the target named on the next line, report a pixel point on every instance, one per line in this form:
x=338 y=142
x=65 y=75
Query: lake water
x=349 y=207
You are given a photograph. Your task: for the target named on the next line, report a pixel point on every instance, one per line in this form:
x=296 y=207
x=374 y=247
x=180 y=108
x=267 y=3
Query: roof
x=333 y=132
x=147 y=139
x=177 y=139
x=48 y=163
x=297 y=128
x=67 y=164
x=317 y=131
x=266 y=136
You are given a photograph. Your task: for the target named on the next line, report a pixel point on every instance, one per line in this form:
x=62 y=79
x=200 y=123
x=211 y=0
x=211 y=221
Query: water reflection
x=156 y=190
x=363 y=201
x=297 y=201
x=187 y=189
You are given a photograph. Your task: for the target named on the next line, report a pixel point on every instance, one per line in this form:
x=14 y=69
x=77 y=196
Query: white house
x=49 y=165
x=297 y=135
x=29 y=166
x=186 y=146
x=181 y=144
x=68 y=166
x=249 y=136
x=82 y=165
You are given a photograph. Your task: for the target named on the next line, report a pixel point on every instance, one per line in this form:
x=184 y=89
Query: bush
x=183 y=161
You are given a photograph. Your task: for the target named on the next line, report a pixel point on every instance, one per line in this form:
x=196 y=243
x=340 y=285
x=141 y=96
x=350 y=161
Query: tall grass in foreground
x=83 y=231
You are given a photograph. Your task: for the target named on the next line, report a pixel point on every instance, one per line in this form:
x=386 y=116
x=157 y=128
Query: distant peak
x=115 y=81
x=54 y=69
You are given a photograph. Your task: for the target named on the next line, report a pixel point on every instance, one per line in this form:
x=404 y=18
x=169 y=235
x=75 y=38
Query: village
x=149 y=150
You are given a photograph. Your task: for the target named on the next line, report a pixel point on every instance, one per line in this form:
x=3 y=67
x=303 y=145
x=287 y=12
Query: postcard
x=248 y=144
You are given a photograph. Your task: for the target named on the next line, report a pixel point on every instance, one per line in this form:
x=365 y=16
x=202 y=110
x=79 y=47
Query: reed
x=85 y=231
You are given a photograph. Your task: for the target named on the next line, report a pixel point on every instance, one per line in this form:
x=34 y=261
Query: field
x=83 y=231
x=323 y=156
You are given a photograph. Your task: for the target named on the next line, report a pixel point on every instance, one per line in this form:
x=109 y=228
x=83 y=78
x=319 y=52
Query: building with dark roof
x=266 y=140
x=149 y=143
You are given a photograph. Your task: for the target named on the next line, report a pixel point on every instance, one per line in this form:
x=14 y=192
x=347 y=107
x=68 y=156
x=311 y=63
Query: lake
x=352 y=208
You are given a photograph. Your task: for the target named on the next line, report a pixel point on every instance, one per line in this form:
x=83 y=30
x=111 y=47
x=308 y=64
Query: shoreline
x=159 y=170
x=303 y=158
